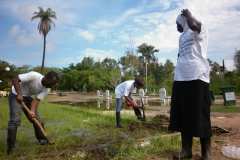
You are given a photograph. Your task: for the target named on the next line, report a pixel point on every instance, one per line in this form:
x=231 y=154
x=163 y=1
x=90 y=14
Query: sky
x=107 y=28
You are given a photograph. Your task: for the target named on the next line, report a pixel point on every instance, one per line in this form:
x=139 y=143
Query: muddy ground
x=228 y=121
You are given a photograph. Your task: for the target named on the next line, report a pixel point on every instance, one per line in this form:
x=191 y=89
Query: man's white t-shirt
x=31 y=85
x=192 y=63
x=124 y=88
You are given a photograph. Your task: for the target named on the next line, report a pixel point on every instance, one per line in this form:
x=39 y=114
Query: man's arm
x=34 y=106
x=130 y=101
x=16 y=84
x=193 y=23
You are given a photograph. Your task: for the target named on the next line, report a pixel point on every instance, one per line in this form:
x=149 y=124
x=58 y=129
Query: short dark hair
x=51 y=75
x=139 y=82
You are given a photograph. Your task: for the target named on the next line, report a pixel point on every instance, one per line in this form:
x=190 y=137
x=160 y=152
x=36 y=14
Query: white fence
x=4 y=93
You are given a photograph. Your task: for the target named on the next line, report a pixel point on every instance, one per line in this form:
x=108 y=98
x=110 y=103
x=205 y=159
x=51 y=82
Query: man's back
x=31 y=85
x=124 y=88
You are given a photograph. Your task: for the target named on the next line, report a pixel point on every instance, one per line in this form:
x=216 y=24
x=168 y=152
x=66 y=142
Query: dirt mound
x=159 y=122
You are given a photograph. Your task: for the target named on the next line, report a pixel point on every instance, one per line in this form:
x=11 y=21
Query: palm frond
x=35 y=17
x=46 y=20
x=40 y=9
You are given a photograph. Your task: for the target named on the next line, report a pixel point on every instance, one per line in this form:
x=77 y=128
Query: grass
x=225 y=109
x=86 y=133
x=82 y=133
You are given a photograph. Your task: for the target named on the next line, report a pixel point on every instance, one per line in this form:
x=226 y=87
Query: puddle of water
x=54 y=123
x=100 y=103
x=81 y=133
x=154 y=103
x=104 y=103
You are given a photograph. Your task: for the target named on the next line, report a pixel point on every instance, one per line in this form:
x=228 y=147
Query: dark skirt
x=190 y=108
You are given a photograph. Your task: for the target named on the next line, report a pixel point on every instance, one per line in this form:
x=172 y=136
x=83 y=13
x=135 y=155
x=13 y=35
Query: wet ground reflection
x=105 y=103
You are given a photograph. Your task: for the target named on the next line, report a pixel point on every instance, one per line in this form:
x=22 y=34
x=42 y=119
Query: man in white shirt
x=29 y=88
x=125 y=89
x=190 y=107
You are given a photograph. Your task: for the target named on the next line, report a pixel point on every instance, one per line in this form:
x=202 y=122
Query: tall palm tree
x=147 y=52
x=44 y=26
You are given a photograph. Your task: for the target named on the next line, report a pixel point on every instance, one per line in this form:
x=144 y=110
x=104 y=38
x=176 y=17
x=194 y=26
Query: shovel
x=143 y=109
x=36 y=122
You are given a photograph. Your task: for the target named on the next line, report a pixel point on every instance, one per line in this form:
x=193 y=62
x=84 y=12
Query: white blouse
x=192 y=63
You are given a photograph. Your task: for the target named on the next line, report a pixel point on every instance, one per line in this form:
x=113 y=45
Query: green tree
x=131 y=65
x=6 y=75
x=215 y=68
x=44 y=26
x=168 y=68
x=109 y=63
x=24 y=69
x=86 y=63
x=168 y=74
x=148 y=51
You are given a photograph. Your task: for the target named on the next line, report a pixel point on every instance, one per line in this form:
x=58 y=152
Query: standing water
x=231 y=152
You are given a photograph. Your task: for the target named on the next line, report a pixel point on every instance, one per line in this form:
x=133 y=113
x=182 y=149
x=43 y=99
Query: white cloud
x=98 y=54
x=26 y=38
x=222 y=20
x=159 y=4
x=229 y=63
x=23 y=37
x=106 y=24
x=152 y=22
x=220 y=16
x=24 y=10
x=159 y=29
x=86 y=35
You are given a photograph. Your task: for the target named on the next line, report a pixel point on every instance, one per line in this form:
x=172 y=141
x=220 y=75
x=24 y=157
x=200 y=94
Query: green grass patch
x=87 y=133
x=225 y=109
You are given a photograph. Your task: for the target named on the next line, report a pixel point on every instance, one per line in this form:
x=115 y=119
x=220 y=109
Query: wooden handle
x=143 y=109
x=35 y=120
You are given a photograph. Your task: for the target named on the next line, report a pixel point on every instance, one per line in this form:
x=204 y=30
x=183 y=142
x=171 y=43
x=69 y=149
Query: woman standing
x=190 y=107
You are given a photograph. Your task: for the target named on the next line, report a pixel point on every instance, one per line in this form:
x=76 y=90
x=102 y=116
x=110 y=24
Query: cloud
x=86 y=35
x=152 y=22
x=221 y=17
x=158 y=29
x=229 y=63
x=106 y=24
x=222 y=20
x=24 y=10
x=98 y=54
x=140 y=25
x=23 y=37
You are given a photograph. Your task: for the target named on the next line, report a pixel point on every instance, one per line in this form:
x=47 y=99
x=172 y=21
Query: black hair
x=53 y=76
x=139 y=82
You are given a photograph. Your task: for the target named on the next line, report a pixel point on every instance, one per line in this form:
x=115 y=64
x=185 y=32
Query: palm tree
x=147 y=52
x=44 y=26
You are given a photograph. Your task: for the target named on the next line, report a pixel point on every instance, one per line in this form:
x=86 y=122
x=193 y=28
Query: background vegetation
x=89 y=75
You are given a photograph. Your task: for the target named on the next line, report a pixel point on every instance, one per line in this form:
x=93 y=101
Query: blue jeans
x=118 y=104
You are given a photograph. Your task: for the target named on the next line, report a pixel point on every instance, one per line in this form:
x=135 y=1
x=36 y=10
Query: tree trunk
x=44 y=49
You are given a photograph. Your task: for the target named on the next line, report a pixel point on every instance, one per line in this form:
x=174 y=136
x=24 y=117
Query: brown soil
x=228 y=121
